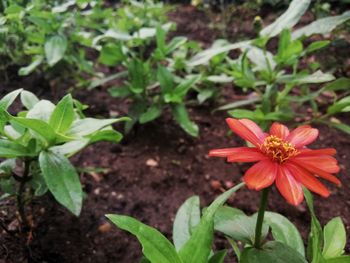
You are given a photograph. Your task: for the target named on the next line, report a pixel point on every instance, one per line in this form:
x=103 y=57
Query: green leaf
x=317 y=45
x=101 y=81
x=166 y=79
x=155 y=246
x=62 y=180
x=111 y=54
x=240 y=228
x=288 y=19
x=338 y=106
x=181 y=116
x=271 y=252
x=8 y=99
x=342 y=259
x=206 y=55
x=151 y=114
x=198 y=247
x=40 y=127
x=186 y=219
x=341 y=126
x=106 y=135
x=315 y=241
x=55 y=48
x=119 y=92
x=177 y=94
x=338 y=84
x=218 y=257
x=139 y=75
x=70 y=148
x=334 y=238
x=316 y=77
x=284 y=231
x=28 y=99
x=63 y=115
x=321 y=26
x=88 y=126
x=9 y=149
x=41 y=111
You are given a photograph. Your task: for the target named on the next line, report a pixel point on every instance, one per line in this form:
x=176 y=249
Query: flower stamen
x=277 y=149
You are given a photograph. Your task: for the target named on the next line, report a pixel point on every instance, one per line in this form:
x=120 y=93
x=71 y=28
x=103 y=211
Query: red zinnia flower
x=282 y=157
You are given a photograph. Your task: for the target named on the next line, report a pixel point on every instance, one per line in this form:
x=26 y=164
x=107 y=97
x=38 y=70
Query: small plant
x=36 y=145
x=282 y=158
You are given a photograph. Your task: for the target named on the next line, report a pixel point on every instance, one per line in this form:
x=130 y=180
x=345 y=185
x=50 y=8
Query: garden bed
x=149 y=175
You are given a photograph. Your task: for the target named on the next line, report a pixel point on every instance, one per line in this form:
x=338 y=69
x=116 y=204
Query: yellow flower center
x=277 y=149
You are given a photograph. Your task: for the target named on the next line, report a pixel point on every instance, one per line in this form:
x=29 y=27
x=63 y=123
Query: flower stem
x=260 y=219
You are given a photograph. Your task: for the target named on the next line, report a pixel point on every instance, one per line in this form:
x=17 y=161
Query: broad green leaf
x=186 y=219
x=316 y=77
x=155 y=247
x=288 y=19
x=55 y=48
x=28 y=99
x=63 y=116
x=315 y=241
x=175 y=43
x=176 y=95
x=151 y=114
x=24 y=71
x=8 y=99
x=334 y=238
x=197 y=249
x=225 y=213
x=87 y=126
x=271 y=252
x=218 y=257
x=263 y=60
x=240 y=228
x=181 y=116
x=7 y=166
x=9 y=149
x=138 y=75
x=284 y=231
x=243 y=114
x=321 y=26
x=70 y=148
x=205 y=56
x=62 y=180
x=39 y=127
x=41 y=111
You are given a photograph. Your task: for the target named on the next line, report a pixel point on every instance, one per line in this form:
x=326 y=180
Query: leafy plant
x=193 y=235
x=273 y=77
x=37 y=143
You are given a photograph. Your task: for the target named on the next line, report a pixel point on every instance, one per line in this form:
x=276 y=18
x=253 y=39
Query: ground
x=149 y=175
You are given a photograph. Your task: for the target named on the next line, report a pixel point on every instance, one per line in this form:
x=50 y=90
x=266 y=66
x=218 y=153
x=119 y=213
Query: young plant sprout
x=36 y=145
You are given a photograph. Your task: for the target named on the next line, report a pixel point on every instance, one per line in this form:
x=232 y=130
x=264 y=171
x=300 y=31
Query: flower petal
x=325 y=163
x=247 y=155
x=289 y=188
x=317 y=171
x=306 y=179
x=261 y=175
x=279 y=130
x=302 y=136
x=310 y=152
x=247 y=129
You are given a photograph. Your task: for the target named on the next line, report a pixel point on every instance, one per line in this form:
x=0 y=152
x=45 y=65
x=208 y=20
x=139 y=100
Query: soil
x=149 y=175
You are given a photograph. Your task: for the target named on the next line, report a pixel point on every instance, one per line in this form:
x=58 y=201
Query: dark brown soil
x=152 y=194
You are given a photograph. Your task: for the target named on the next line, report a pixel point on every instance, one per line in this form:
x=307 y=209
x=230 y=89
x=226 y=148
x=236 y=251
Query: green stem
x=260 y=220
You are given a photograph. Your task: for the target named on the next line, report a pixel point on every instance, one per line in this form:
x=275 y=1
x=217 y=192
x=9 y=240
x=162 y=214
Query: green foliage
x=41 y=138
x=193 y=238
